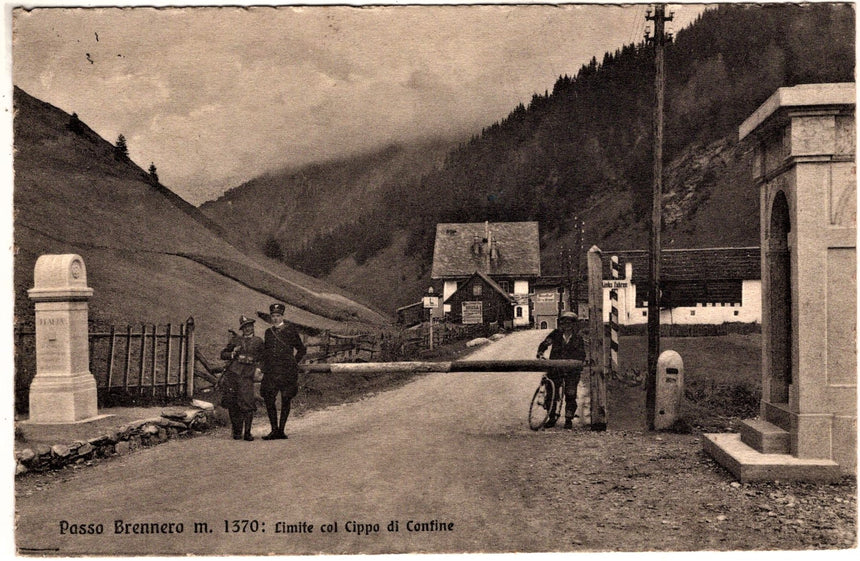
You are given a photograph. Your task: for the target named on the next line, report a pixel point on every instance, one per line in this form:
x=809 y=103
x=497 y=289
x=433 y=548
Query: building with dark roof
x=699 y=286
x=507 y=253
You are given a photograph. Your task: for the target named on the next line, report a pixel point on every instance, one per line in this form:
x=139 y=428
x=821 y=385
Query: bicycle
x=546 y=402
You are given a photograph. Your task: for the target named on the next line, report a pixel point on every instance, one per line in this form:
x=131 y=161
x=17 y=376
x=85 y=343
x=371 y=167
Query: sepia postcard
x=431 y=278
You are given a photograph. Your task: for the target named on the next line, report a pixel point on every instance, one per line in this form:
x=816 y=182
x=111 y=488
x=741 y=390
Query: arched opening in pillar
x=779 y=301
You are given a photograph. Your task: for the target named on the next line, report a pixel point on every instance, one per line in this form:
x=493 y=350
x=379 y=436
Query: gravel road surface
x=450 y=458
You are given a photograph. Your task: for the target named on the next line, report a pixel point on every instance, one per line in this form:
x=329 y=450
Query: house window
x=476 y=289
x=736 y=312
x=692 y=312
x=519 y=311
x=504 y=285
x=644 y=313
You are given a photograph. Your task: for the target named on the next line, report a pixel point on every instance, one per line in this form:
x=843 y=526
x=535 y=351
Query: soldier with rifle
x=244 y=353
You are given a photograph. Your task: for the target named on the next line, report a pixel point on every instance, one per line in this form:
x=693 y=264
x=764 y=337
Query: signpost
x=431 y=301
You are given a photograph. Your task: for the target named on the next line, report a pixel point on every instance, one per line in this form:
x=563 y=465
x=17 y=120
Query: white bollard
x=670 y=389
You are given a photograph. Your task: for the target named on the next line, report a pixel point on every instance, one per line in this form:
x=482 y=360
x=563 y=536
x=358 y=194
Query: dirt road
x=450 y=452
x=436 y=449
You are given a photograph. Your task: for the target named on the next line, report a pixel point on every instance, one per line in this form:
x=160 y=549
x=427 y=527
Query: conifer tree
x=120 y=151
x=153 y=174
x=75 y=125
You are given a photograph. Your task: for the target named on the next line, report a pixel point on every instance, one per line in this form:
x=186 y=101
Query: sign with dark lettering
x=473 y=312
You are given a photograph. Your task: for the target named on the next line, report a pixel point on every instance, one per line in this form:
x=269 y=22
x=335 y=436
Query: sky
x=216 y=96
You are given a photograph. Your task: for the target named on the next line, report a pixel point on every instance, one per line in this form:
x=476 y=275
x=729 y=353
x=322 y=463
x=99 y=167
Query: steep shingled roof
x=722 y=263
x=462 y=249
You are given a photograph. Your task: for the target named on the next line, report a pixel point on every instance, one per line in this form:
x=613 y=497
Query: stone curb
x=174 y=422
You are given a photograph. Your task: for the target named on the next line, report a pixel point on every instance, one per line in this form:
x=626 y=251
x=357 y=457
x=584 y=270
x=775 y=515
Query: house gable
x=499 y=249
x=496 y=304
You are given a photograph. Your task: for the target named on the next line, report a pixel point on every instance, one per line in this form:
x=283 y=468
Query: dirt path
x=446 y=448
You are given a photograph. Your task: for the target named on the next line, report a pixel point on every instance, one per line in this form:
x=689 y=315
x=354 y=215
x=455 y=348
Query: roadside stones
x=85 y=449
x=60 y=450
x=174 y=422
x=43 y=450
x=26 y=455
x=477 y=342
x=150 y=430
x=204 y=405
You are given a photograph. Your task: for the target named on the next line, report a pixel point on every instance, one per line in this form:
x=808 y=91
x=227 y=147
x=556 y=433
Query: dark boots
x=285 y=412
x=248 y=419
x=278 y=427
x=236 y=419
x=240 y=422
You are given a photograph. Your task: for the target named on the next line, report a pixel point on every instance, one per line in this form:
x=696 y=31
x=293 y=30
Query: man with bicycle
x=566 y=344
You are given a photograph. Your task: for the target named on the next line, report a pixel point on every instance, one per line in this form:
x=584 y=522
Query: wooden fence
x=137 y=365
x=695 y=330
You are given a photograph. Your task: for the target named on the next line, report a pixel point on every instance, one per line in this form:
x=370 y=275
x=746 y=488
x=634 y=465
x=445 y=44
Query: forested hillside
x=585 y=149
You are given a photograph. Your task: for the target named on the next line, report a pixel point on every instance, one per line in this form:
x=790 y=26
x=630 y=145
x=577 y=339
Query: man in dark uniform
x=283 y=350
x=566 y=345
x=244 y=353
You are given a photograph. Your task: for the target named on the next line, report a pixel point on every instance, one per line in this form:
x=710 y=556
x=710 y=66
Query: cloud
x=215 y=96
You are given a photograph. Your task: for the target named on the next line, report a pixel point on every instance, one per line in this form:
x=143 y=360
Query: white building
x=699 y=286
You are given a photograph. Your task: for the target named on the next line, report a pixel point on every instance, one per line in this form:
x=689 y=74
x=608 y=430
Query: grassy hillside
x=150 y=256
x=584 y=149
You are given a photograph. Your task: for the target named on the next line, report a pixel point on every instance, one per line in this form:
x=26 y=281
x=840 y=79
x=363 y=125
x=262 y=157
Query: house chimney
x=489 y=239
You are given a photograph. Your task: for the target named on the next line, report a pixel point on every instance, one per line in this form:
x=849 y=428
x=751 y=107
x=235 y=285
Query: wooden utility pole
x=577 y=269
x=564 y=256
x=597 y=366
x=659 y=18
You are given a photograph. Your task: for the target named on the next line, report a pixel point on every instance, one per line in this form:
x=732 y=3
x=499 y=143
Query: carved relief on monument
x=813 y=135
x=846 y=141
x=773 y=152
x=843 y=194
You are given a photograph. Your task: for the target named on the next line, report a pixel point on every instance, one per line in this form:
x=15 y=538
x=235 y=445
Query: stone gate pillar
x=804 y=168
x=63 y=389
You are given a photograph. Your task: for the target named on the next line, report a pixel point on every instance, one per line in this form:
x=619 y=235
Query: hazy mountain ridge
x=293 y=207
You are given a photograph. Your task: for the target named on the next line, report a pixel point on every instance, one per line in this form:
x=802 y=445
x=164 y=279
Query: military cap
x=244 y=320
x=570 y=316
x=277 y=309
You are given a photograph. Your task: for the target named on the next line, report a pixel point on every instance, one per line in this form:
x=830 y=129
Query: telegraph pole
x=577 y=270
x=659 y=40
x=564 y=255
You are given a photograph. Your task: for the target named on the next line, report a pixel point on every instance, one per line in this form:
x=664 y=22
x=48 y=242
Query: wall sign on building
x=473 y=312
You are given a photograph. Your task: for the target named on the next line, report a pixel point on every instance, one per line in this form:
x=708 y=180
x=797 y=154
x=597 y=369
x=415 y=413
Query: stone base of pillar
x=63 y=398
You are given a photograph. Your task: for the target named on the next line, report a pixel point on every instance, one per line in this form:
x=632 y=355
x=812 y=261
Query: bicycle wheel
x=541 y=404
x=558 y=404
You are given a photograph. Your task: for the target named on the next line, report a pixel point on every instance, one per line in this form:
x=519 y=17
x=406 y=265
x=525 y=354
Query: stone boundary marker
x=173 y=422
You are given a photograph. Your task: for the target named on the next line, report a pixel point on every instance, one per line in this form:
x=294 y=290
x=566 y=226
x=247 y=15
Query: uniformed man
x=283 y=350
x=237 y=386
x=566 y=344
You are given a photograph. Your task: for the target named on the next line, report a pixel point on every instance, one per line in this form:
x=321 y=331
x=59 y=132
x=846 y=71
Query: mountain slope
x=585 y=149
x=150 y=256
x=292 y=207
